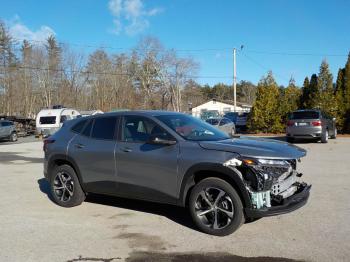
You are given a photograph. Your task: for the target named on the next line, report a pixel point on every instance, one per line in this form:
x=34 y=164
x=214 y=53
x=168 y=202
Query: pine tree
x=289 y=100
x=327 y=102
x=339 y=96
x=265 y=116
x=305 y=93
x=347 y=95
x=310 y=93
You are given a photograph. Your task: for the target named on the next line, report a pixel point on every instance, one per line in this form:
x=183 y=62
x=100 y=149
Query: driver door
x=144 y=170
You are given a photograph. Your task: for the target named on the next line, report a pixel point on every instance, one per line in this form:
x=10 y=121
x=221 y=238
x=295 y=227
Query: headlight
x=271 y=167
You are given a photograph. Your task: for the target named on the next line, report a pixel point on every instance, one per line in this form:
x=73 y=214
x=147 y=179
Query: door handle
x=79 y=146
x=126 y=149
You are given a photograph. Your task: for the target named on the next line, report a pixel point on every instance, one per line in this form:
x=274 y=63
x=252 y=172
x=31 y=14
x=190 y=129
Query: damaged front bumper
x=295 y=201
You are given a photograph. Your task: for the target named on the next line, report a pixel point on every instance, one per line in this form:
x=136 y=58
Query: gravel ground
x=33 y=228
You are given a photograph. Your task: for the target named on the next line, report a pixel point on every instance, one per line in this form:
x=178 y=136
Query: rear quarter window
x=78 y=127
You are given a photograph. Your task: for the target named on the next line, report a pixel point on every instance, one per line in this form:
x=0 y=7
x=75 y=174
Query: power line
x=294 y=54
x=122 y=48
x=224 y=49
x=100 y=73
x=264 y=67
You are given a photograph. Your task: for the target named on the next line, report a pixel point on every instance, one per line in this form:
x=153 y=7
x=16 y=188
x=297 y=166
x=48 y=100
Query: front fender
x=231 y=175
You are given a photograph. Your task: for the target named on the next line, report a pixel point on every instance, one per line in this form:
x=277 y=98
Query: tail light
x=316 y=123
x=290 y=123
x=46 y=142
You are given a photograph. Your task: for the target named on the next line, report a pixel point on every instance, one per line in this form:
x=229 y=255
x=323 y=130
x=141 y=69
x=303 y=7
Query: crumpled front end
x=274 y=186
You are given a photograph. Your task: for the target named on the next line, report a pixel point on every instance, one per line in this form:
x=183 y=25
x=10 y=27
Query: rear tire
x=324 y=137
x=13 y=137
x=215 y=207
x=65 y=187
x=290 y=139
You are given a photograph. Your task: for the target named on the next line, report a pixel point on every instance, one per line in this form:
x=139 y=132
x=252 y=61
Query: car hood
x=256 y=148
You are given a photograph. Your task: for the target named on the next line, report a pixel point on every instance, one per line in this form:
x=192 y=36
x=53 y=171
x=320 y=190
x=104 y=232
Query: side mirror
x=159 y=139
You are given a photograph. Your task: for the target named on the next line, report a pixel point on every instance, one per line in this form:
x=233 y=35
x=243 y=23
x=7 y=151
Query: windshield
x=305 y=115
x=192 y=128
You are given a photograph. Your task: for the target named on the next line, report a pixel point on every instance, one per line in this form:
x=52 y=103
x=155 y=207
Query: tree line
x=273 y=104
x=149 y=76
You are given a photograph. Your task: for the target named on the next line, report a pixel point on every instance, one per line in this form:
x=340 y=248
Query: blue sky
x=288 y=37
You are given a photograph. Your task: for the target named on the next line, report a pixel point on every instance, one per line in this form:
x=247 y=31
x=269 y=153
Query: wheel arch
x=58 y=160
x=201 y=171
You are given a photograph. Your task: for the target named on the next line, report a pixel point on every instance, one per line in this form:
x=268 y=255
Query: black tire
x=72 y=194
x=13 y=137
x=334 y=136
x=231 y=201
x=290 y=139
x=233 y=131
x=324 y=137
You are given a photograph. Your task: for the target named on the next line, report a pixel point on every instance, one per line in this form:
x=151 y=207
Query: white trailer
x=48 y=121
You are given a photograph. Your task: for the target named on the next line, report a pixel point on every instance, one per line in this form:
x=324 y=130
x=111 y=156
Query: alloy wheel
x=63 y=186
x=214 y=208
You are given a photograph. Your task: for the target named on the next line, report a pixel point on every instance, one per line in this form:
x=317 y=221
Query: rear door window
x=47 y=120
x=305 y=115
x=104 y=128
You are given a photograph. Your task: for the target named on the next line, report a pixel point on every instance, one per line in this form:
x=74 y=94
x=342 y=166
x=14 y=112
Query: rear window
x=104 y=128
x=213 y=121
x=305 y=115
x=78 y=127
x=47 y=120
x=6 y=124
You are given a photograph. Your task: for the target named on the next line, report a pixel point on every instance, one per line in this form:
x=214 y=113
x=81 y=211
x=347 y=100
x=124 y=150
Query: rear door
x=144 y=170
x=93 y=152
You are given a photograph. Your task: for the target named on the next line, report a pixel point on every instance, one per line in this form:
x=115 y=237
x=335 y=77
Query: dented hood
x=256 y=148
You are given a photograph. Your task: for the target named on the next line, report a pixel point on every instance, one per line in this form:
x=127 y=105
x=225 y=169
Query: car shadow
x=44 y=187
x=176 y=214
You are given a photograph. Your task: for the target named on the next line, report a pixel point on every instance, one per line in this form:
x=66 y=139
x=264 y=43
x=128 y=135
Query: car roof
x=307 y=110
x=139 y=112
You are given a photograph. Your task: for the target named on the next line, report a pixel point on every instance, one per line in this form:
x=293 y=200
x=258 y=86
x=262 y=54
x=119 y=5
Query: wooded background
x=36 y=75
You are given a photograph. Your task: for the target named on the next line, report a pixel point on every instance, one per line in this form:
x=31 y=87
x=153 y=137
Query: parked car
x=48 y=121
x=8 y=130
x=311 y=124
x=209 y=114
x=241 y=121
x=224 y=124
x=176 y=159
x=232 y=116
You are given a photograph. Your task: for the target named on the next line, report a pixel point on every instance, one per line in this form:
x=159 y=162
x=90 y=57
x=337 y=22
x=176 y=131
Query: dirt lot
x=33 y=228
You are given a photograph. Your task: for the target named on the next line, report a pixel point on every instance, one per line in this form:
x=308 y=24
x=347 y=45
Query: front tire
x=65 y=187
x=215 y=207
x=334 y=136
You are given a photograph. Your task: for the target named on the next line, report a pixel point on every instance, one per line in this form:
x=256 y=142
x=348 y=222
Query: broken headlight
x=263 y=173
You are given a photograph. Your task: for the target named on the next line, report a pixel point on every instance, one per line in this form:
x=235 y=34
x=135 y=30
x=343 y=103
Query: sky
x=291 y=38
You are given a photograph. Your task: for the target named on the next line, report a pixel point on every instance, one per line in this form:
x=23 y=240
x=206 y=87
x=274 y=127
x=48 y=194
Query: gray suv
x=311 y=124
x=176 y=159
x=8 y=130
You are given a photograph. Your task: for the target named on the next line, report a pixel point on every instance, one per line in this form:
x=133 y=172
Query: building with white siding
x=219 y=107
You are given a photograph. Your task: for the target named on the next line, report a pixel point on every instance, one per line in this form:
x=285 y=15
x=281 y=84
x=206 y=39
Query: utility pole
x=234 y=80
